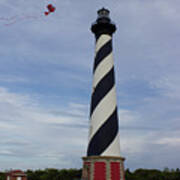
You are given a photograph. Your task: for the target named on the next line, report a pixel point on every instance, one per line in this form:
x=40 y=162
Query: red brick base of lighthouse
x=103 y=168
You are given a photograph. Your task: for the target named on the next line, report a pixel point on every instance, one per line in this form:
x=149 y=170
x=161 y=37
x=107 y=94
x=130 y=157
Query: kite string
x=8 y=18
x=21 y=18
x=16 y=18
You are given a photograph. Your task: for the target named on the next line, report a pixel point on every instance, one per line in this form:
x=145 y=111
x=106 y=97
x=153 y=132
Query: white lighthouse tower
x=103 y=161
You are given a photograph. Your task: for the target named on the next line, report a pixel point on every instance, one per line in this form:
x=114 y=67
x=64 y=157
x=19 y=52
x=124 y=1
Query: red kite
x=50 y=8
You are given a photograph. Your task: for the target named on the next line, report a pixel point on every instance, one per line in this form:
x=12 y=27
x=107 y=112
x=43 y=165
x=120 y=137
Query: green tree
x=2 y=176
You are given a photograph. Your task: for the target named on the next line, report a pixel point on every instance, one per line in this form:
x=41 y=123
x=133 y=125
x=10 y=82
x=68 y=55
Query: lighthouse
x=103 y=160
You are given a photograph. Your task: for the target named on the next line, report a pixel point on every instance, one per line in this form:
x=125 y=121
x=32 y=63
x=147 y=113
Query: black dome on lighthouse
x=103 y=24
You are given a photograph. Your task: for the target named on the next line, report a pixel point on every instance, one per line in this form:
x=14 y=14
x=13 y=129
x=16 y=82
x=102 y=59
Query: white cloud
x=170 y=85
x=128 y=117
x=168 y=9
x=30 y=130
x=173 y=142
x=12 y=79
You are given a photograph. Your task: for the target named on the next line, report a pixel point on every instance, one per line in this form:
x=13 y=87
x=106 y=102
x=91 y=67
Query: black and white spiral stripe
x=103 y=135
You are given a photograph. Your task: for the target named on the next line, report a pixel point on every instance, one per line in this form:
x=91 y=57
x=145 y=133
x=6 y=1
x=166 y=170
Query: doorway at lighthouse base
x=103 y=168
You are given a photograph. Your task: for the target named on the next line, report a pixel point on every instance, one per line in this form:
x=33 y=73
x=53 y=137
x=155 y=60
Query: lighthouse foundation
x=103 y=168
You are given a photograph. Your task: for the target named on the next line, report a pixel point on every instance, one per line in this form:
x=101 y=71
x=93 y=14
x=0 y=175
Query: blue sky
x=46 y=76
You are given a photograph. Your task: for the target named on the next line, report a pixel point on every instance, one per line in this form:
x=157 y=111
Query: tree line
x=75 y=174
x=153 y=174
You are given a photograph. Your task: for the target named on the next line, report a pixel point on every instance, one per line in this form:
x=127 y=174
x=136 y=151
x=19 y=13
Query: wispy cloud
x=28 y=128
